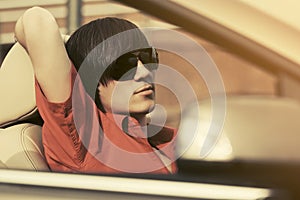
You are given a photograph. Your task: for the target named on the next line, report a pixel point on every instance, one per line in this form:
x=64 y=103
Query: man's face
x=135 y=96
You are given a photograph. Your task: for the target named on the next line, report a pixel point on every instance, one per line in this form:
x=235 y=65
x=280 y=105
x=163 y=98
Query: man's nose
x=142 y=72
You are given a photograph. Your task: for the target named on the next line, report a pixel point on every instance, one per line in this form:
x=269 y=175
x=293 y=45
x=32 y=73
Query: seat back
x=21 y=147
x=20 y=142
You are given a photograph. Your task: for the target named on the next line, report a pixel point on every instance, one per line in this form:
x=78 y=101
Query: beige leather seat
x=20 y=141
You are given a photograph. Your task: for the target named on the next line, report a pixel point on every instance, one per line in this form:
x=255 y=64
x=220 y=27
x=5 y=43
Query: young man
x=96 y=122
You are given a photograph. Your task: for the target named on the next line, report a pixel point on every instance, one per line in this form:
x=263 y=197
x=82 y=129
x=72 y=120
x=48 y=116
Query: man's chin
x=144 y=111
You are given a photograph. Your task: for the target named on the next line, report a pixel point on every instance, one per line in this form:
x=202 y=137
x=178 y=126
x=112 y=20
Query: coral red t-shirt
x=78 y=137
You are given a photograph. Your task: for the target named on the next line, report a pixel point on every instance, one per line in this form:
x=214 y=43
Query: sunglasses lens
x=125 y=66
x=131 y=62
x=149 y=58
x=145 y=57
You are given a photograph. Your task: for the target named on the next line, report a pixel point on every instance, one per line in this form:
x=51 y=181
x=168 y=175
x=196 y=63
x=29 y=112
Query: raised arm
x=37 y=31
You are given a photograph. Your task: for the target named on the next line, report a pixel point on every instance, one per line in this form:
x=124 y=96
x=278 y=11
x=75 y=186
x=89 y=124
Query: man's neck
x=142 y=119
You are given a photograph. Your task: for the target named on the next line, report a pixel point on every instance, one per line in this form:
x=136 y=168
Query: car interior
x=257 y=148
x=21 y=146
x=21 y=126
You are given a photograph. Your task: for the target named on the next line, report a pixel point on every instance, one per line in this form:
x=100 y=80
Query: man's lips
x=144 y=88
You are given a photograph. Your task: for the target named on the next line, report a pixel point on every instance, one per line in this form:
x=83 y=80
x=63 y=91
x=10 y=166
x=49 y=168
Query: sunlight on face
x=135 y=96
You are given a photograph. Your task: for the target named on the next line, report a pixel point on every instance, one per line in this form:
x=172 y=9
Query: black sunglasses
x=124 y=67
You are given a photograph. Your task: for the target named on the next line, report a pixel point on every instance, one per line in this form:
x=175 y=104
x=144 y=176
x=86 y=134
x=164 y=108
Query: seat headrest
x=17 y=100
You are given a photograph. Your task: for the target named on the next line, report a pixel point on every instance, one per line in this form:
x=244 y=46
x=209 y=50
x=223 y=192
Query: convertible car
x=245 y=145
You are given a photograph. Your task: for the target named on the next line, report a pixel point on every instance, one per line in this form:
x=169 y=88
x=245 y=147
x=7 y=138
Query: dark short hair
x=97 y=44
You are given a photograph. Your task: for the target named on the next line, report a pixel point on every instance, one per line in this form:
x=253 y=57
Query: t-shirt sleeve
x=70 y=129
